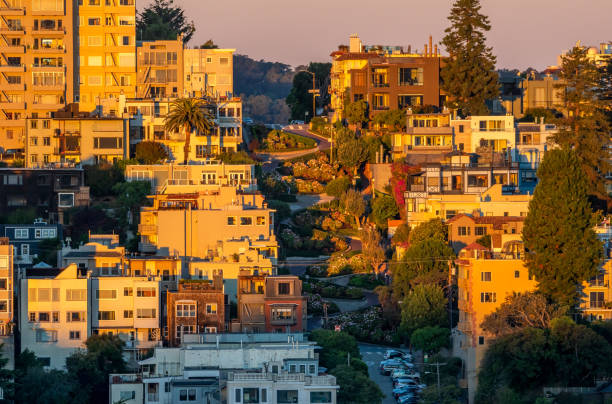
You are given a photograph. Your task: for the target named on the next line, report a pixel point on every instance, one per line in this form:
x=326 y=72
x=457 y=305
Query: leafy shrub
x=367 y=281
x=239 y=157
x=355 y=293
x=149 y=152
x=338 y=186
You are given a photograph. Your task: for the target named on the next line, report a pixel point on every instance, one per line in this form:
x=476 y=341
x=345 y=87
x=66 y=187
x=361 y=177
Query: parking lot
x=372 y=355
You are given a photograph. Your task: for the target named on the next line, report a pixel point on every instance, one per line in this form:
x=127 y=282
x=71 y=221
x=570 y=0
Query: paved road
x=273 y=160
x=372 y=355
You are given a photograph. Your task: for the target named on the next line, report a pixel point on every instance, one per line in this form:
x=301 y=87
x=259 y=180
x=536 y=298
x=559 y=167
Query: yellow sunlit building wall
x=107 y=58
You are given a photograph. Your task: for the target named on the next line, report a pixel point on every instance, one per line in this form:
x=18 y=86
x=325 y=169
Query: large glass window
x=185 y=310
x=320 y=396
x=410 y=76
x=250 y=395
x=409 y=100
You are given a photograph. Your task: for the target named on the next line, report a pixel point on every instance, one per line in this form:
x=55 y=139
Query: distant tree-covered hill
x=263 y=87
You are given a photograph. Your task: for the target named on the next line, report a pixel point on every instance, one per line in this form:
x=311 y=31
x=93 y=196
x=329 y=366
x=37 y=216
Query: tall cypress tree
x=468 y=77
x=584 y=127
x=562 y=247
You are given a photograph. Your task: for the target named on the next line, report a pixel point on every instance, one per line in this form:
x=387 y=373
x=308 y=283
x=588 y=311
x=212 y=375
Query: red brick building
x=197 y=307
x=284 y=305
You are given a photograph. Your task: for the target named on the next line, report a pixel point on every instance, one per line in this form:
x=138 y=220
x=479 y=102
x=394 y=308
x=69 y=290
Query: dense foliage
x=162 y=20
x=562 y=247
x=468 y=77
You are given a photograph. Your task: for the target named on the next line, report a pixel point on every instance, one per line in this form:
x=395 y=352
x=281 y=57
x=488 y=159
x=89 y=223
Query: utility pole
x=314 y=92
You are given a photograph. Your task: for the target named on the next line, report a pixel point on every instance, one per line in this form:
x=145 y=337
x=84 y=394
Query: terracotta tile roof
x=475 y=246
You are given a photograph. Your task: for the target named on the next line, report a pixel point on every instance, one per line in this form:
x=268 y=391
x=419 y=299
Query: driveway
x=372 y=355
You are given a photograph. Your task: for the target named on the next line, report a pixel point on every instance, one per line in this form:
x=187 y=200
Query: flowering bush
x=366 y=325
x=309 y=186
x=341 y=265
x=317 y=169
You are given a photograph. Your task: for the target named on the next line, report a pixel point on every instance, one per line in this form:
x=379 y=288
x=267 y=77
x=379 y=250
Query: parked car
x=296 y=122
x=389 y=366
x=400 y=391
x=392 y=353
x=407 y=399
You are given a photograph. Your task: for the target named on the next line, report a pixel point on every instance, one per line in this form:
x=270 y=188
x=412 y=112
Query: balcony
x=14 y=68
x=48 y=87
x=70 y=151
x=49 y=49
x=284 y=321
x=50 y=107
x=12 y=123
x=12 y=49
x=147 y=229
x=13 y=87
x=228 y=119
x=48 y=68
x=131 y=378
x=12 y=30
x=438 y=130
x=147 y=247
x=48 y=31
x=12 y=105
x=9 y=10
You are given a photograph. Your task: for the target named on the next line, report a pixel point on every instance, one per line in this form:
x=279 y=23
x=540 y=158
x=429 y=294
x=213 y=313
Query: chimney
x=355 y=45
x=430 y=46
x=425 y=51
x=436 y=50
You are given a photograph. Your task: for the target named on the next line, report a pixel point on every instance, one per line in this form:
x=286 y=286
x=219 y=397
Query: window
x=463 y=231
x=264 y=395
x=73 y=295
x=302 y=368
x=4 y=306
x=250 y=395
x=75 y=316
x=210 y=330
x=55 y=316
x=106 y=294
x=261 y=220
x=127 y=395
x=410 y=76
x=128 y=314
x=478 y=180
x=237 y=395
x=461 y=129
x=31 y=317
x=145 y=313
x=93 y=21
x=185 y=310
x=488 y=297
x=185 y=329
x=108 y=143
x=65 y=200
x=231 y=221
x=320 y=396
x=21 y=233
x=106 y=315
x=246 y=221
x=312 y=369
x=380 y=101
x=480 y=231
x=145 y=292
x=517 y=274
x=282 y=313
x=3 y=283
x=25 y=249
x=284 y=288
x=286 y=396
x=211 y=308
x=596 y=300
x=485 y=276
x=46 y=335
x=75 y=335
x=126 y=39
x=128 y=292
x=43 y=317
x=481 y=340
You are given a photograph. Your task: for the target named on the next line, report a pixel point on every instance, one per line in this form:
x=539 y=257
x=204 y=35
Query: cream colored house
x=75 y=140
x=58 y=313
x=209 y=72
x=211 y=175
x=193 y=225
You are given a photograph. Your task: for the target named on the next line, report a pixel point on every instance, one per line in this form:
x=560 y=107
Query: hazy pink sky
x=524 y=32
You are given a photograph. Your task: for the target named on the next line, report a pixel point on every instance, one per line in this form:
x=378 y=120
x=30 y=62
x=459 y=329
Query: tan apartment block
x=191 y=225
x=36 y=64
x=76 y=139
x=107 y=51
x=185 y=179
x=160 y=69
x=209 y=72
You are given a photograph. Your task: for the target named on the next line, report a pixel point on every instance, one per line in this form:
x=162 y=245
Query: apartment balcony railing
x=380 y=84
x=130 y=378
x=284 y=377
x=12 y=67
x=147 y=229
x=283 y=321
x=11 y=10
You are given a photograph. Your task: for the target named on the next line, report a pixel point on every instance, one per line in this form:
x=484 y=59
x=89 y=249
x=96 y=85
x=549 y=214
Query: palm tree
x=189 y=114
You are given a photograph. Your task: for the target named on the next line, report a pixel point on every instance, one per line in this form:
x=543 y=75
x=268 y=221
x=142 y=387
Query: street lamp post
x=314 y=92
